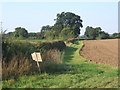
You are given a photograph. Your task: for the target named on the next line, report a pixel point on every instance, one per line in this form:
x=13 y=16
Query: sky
x=34 y=15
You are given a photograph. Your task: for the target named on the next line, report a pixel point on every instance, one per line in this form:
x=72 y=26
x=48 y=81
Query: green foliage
x=46 y=28
x=32 y=36
x=46 y=32
x=103 y=35
x=14 y=48
x=50 y=35
x=10 y=34
x=91 y=32
x=20 y=32
x=66 y=23
x=45 y=46
x=68 y=20
x=115 y=35
x=11 y=49
x=95 y=33
x=67 y=33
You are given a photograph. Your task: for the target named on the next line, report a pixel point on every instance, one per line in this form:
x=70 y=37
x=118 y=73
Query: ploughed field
x=101 y=51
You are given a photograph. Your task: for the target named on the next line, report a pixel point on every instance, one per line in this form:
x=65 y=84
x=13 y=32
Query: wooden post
x=38 y=64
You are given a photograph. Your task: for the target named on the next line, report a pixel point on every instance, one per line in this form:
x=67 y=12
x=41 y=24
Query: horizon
x=32 y=16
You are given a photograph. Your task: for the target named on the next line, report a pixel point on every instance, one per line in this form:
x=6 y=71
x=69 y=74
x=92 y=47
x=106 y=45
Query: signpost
x=37 y=57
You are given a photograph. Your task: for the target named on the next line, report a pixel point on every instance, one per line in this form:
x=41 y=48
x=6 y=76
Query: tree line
x=67 y=25
x=97 y=33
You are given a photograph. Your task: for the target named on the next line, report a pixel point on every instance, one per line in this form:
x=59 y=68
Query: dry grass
x=21 y=65
x=53 y=55
x=52 y=60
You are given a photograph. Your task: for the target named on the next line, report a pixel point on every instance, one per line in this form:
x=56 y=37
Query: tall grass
x=17 y=59
x=19 y=65
x=53 y=55
x=52 y=61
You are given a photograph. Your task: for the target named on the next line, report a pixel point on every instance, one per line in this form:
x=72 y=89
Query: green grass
x=77 y=72
x=72 y=55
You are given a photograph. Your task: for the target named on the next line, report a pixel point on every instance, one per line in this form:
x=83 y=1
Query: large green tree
x=68 y=20
x=21 y=32
x=92 y=33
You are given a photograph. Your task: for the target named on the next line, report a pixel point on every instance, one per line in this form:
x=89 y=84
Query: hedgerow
x=17 y=58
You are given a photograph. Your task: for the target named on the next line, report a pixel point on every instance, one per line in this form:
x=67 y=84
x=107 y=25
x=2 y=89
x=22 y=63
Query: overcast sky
x=34 y=15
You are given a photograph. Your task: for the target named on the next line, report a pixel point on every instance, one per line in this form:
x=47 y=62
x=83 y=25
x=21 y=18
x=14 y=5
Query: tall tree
x=68 y=20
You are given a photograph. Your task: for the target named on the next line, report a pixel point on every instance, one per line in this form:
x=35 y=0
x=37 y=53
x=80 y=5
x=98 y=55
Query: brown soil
x=101 y=51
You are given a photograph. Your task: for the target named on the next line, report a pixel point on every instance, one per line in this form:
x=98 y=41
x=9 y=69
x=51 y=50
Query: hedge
x=10 y=49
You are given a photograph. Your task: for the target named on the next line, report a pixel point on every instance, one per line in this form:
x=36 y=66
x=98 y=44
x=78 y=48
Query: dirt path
x=101 y=51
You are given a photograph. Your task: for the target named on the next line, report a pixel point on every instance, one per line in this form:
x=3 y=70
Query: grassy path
x=75 y=73
x=72 y=55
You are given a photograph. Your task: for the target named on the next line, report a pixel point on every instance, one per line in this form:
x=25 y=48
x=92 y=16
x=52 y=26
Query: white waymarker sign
x=37 y=57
